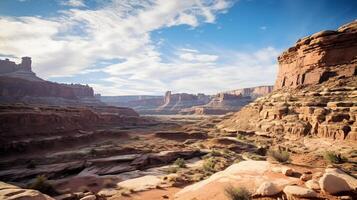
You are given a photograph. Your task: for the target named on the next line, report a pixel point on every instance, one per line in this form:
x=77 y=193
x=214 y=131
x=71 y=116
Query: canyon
x=188 y=104
x=296 y=140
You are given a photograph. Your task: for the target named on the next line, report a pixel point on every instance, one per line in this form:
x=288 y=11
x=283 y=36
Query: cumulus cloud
x=73 y=42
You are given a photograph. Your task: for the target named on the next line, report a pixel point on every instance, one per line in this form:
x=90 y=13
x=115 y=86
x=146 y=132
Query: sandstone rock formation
x=220 y=104
x=248 y=174
x=253 y=92
x=322 y=108
x=316 y=58
x=22 y=70
x=141 y=103
x=173 y=103
x=23 y=127
x=11 y=192
x=19 y=84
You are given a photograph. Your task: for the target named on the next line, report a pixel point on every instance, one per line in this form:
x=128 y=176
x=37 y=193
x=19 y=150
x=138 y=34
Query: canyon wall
x=315 y=91
x=174 y=103
x=316 y=58
x=18 y=83
x=253 y=91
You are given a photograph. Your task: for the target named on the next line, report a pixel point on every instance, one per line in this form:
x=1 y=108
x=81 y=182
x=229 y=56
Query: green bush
x=180 y=162
x=280 y=155
x=239 y=193
x=209 y=164
x=41 y=184
x=335 y=158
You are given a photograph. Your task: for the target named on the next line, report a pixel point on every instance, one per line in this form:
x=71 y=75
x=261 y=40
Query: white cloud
x=263 y=28
x=73 y=42
x=73 y=3
x=120 y=29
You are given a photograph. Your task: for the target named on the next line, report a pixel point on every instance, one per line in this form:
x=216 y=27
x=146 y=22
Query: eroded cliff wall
x=315 y=91
x=316 y=58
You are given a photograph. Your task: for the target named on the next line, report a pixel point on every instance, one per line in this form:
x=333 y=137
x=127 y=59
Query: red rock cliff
x=316 y=58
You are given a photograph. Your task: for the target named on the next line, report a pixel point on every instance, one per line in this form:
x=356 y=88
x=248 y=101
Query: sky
x=138 y=47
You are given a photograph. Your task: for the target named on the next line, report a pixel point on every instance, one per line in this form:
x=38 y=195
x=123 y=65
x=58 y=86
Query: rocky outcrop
x=253 y=92
x=12 y=192
x=173 y=103
x=248 y=174
x=23 y=70
x=22 y=126
x=316 y=58
x=220 y=104
x=19 y=84
x=325 y=108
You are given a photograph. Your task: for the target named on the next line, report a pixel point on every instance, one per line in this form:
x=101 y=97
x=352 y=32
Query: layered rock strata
x=325 y=107
x=316 y=58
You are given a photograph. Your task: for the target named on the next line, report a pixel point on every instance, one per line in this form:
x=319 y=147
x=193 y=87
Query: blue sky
x=149 y=46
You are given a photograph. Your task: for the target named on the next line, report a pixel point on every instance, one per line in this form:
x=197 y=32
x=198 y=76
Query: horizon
x=123 y=48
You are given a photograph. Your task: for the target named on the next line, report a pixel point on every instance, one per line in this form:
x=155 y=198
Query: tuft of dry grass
x=335 y=158
x=237 y=193
x=280 y=155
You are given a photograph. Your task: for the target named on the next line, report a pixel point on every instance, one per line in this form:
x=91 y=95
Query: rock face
x=22 y=70
x=173 y=103
x=144 y=104
x=220 y=104
x=316 y=58
x=12 y=192
x=322 y=108
x=19 y=84
x=248 y=174
x=24 y=127
x=253 y=92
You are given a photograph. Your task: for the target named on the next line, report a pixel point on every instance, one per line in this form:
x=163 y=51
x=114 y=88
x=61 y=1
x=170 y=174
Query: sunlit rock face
x=315 y=92
x=316 y=58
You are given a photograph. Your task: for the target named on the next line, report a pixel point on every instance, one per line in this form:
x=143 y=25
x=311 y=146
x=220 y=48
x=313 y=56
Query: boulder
x=267 y=189
x=333 y=184
x=306 y=177
x=292 y=192
x=287 y=171
x=312 y=184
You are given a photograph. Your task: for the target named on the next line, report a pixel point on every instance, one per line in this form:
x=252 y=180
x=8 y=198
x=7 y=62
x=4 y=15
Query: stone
x=350 y=180
x=306 y=177
x=292 y=191
x=287 y=171
x=333 y=184
x=312 y=184
x=267 y=189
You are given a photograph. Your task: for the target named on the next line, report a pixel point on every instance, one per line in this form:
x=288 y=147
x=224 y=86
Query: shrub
x=209 y=164
x=239 y=193
x=280 y=155
x=240 y=137
x=41 y=184
x=180 y=162
x=334 y=158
